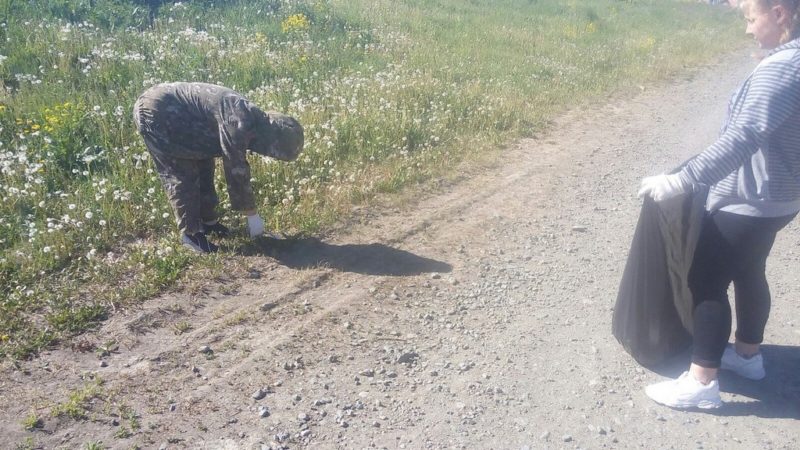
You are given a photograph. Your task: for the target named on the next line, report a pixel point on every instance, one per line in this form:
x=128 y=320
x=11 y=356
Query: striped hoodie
x=754 y=166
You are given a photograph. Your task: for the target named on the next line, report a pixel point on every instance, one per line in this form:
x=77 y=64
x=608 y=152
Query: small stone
x=282 y=436
x=333 y=359
x=205 y=350
x=305 y=433
x=268 y=306
x=263 y=411
x=348 y=326
x=579 y=228
x=408 y=357
x=344 y=424
x=303 y=417
x=544 y=435
x=259 y=394
x=103 y=364
x=566 y=438
x=372 y=289
x=436 y=276
x=254 y=274
x=172 y=407
x=367 y=373
x=195 y=369
x=376 y=424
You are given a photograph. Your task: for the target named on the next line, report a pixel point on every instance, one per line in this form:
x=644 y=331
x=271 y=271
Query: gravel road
x=476 y=316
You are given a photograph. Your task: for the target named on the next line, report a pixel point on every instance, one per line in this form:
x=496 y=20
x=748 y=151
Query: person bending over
x=185 y=126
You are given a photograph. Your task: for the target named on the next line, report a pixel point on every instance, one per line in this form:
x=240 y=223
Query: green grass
x=390 y=92
x=77 y=405
x=31 y=422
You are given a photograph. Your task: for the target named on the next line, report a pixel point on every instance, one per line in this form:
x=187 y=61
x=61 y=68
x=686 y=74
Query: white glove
x=255 y=225
x=663 y=187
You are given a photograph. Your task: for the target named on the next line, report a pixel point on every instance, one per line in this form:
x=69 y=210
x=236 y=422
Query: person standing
x=753 y=170
x=185 y=126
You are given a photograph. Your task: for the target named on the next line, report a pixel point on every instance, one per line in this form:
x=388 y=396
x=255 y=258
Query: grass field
x=390 y=92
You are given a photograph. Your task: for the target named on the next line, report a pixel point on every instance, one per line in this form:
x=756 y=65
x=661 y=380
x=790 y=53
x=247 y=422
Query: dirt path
x=479 y=317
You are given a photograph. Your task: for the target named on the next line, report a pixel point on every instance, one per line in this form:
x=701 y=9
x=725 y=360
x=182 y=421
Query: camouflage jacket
x=201 y=121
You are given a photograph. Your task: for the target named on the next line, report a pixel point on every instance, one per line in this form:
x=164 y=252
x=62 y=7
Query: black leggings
x=733 y=248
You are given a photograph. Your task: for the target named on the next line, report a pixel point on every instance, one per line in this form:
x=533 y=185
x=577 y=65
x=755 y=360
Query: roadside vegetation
x=390 y=92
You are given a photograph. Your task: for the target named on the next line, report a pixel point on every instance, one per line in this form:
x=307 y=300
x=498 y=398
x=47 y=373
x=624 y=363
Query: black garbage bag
x=653 y=313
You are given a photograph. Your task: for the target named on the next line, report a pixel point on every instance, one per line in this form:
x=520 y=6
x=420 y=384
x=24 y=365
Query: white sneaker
x=685 y=392
x=752 y=368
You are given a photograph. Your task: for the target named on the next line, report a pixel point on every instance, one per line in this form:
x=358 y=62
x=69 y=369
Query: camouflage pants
x=189 y=183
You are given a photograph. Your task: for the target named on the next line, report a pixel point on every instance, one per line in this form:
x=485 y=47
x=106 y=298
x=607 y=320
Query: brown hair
x=792 y=6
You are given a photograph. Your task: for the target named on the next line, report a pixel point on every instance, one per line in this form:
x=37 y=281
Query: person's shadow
x=777 y=396
x=368 y=259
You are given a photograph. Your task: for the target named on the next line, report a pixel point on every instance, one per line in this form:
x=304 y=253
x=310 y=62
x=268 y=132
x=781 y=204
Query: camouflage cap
x=280 y=137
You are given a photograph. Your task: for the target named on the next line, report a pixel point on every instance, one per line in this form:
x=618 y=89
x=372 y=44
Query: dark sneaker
x=198 y=243
x=217 y=229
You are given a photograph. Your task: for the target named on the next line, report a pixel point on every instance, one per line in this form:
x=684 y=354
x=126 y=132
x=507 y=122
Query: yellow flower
x=295 y=22
x=647 y=43
x=571 y=31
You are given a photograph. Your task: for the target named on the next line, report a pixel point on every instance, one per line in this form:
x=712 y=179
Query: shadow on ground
x=367 y=259
x=777 y=396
